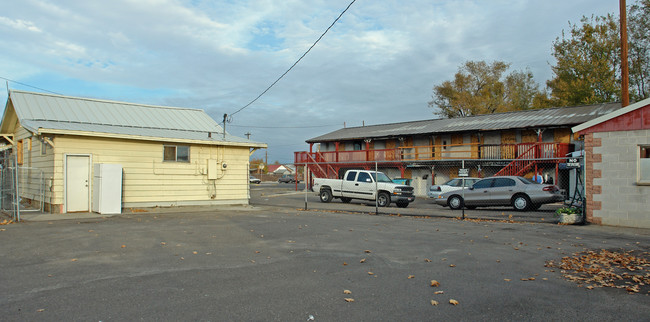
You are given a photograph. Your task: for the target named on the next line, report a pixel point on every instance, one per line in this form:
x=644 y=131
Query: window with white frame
x=643 y=173
x=176 y=153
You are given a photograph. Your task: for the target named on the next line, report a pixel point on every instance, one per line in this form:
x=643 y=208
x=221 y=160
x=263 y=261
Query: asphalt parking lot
x=275 y=262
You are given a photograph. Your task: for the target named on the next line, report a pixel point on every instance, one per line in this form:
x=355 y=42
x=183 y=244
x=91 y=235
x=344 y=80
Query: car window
x=363 y=177
x=526 y=180
x=503 y=182
x=350 y=176
x=469 y=182
x=485 y=183
x=453 y=183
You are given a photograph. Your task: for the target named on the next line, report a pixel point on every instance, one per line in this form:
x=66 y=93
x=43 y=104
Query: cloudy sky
x=378 y=64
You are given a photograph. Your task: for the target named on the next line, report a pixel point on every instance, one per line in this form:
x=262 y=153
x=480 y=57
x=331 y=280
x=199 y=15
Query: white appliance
x=107 y=188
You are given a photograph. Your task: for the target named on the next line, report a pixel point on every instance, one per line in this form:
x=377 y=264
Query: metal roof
x=545 y=118
x=47 y=113
x=612 y=115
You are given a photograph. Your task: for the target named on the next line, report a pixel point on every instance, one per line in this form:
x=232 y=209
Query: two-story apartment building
x=430 y=152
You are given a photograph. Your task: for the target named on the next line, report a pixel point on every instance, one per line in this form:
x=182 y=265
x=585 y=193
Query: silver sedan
x=518 y=192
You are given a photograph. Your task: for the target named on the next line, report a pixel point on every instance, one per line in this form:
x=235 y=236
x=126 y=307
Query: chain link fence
x=22 y=189
x=565 y=173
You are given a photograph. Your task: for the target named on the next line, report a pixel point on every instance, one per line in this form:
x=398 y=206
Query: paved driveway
x=272 y=263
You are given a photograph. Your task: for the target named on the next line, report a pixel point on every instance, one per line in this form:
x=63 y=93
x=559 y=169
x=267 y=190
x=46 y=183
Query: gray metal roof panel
x=172 y=134
x=54 y=112
x=548 y=117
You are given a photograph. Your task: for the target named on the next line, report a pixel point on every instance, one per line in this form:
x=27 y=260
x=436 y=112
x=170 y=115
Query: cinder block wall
x=613 y=197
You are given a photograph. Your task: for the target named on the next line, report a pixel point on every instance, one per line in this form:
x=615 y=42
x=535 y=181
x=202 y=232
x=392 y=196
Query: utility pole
x=225 y=116
x=625 y=86
x=248 y=135
x=266 y=157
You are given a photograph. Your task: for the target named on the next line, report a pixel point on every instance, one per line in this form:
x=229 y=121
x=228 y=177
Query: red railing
x=427 y=153
x=530 y=154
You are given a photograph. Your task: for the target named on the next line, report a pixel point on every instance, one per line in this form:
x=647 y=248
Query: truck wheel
x=346 y=199
x=325 y=195
x=383 y=199
x=402 y=204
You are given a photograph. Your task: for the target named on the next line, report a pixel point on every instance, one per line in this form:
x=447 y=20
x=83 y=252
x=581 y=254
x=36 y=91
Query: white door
x=77 y=181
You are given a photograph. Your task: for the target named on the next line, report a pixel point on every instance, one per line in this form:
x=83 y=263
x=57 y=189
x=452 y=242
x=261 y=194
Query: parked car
x=365 y=185
x=402 y=181
x=451 y=185
x=252 y=179
x=288 y=178
x=518 y=192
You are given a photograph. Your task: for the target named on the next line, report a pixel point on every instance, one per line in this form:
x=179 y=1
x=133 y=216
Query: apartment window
x=176 y=153
x=644 y=165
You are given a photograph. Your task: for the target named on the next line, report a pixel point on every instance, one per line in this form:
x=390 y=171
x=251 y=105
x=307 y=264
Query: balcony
x=474 y=151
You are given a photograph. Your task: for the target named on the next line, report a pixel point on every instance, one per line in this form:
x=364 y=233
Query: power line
x=17 y=82
x=296 y=63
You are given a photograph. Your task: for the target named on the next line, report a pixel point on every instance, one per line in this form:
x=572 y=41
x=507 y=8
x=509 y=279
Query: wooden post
x=625 y=86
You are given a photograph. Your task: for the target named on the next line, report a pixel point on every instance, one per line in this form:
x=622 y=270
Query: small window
x=644 y=165
x=364 y=177
x=43 y=147
x=485 y=183
x=453 y=183
x=351 y=176
x=176 y=153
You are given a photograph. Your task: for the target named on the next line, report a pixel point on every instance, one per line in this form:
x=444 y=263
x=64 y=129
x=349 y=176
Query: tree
x=482 y=88
x=639 y=50
x=588 y=63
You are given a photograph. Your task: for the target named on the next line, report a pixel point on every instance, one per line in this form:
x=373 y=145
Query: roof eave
x=251 y=144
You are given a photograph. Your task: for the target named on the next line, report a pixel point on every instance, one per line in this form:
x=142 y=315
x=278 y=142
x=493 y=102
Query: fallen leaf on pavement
x=362 y=261
x=347 y=299
x=367 y=251
x=438 y=292
x=453 y=302
x=411 y=276
x=433 y=302
x=347 y=292
x=435 y=283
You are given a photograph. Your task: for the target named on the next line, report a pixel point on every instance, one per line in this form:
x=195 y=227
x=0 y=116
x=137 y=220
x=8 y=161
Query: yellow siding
x=36 y=171
x=148 y=181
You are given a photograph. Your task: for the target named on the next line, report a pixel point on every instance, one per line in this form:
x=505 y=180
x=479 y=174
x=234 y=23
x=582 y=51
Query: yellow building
x=169 y=156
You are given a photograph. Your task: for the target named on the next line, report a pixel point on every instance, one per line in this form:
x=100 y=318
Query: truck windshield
x=380 y=177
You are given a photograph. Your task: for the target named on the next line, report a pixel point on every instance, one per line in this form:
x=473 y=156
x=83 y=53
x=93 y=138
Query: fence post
x=16 y=196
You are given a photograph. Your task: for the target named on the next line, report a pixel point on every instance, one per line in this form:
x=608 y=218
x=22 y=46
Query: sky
x=378 y=64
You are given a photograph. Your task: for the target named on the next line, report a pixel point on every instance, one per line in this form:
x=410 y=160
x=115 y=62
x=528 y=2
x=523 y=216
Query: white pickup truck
x=366 y=185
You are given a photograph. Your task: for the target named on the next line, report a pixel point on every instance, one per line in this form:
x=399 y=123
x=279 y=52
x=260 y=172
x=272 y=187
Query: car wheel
x=521 y=202
x=402 y=204
x=345 y=199
x=455 y=202
x=325 y=195
x=383 y=199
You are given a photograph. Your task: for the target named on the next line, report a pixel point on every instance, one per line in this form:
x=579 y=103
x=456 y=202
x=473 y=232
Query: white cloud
x=19 y=24
x=378 y=64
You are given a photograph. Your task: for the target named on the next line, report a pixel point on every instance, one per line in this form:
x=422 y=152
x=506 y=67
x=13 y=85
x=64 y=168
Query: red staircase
x=522 y=164
x=318 y=166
